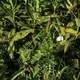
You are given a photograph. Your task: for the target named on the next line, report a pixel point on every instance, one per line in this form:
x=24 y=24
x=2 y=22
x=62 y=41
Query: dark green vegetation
x=29 y=49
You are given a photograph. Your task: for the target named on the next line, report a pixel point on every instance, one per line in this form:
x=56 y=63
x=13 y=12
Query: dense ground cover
x=39 y=39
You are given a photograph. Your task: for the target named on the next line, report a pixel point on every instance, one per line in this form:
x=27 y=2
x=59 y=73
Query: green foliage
x=39 y=40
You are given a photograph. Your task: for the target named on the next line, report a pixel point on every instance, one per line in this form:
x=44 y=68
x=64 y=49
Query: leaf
x=78 y=35
x=69 y=6
x=11 y=33
x=11 y=43
x=22 y=34
x=46 y=76
x=7 y=6
x=71 y=31
x=16 y=9
x=36 y=70
x=59 y=74
x=17 y=73
x=37 y=56
x=42 y=19
x=10 y=19
x=10 y=1
x=37 y=5
x=77 y=22
x=11 y=49
x=69 y=3
x=23 y=25
x=66 y=46
x=76 y=63
x=70 y=24
x=24 y=54
x=30 y=10
x=62 y=30
x=6 y=10
x=18 y=36
x=25 y=1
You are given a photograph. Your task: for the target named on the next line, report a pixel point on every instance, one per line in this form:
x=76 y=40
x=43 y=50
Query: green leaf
x=22 y=34
x=59 y=74
x=17 y=74
x=11 y=34
x=71 y=31
x=68 y=1
x=46 y=76
x=16 y=9
x=10 y=19
x=77 y=22
x=37 y=56
x=24 y=54
x=76 y=63
x=23 y=25
x=66 y=46
x=62 y=30
x=36 y=70
x=37 y=5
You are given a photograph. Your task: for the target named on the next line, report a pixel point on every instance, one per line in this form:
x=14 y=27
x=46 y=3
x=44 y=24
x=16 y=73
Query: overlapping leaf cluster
x=29 y=49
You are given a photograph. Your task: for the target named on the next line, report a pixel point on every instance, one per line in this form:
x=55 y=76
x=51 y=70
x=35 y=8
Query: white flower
x=59 y=38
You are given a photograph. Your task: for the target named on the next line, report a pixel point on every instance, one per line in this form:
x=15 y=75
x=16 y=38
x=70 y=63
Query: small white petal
x=59 y=38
